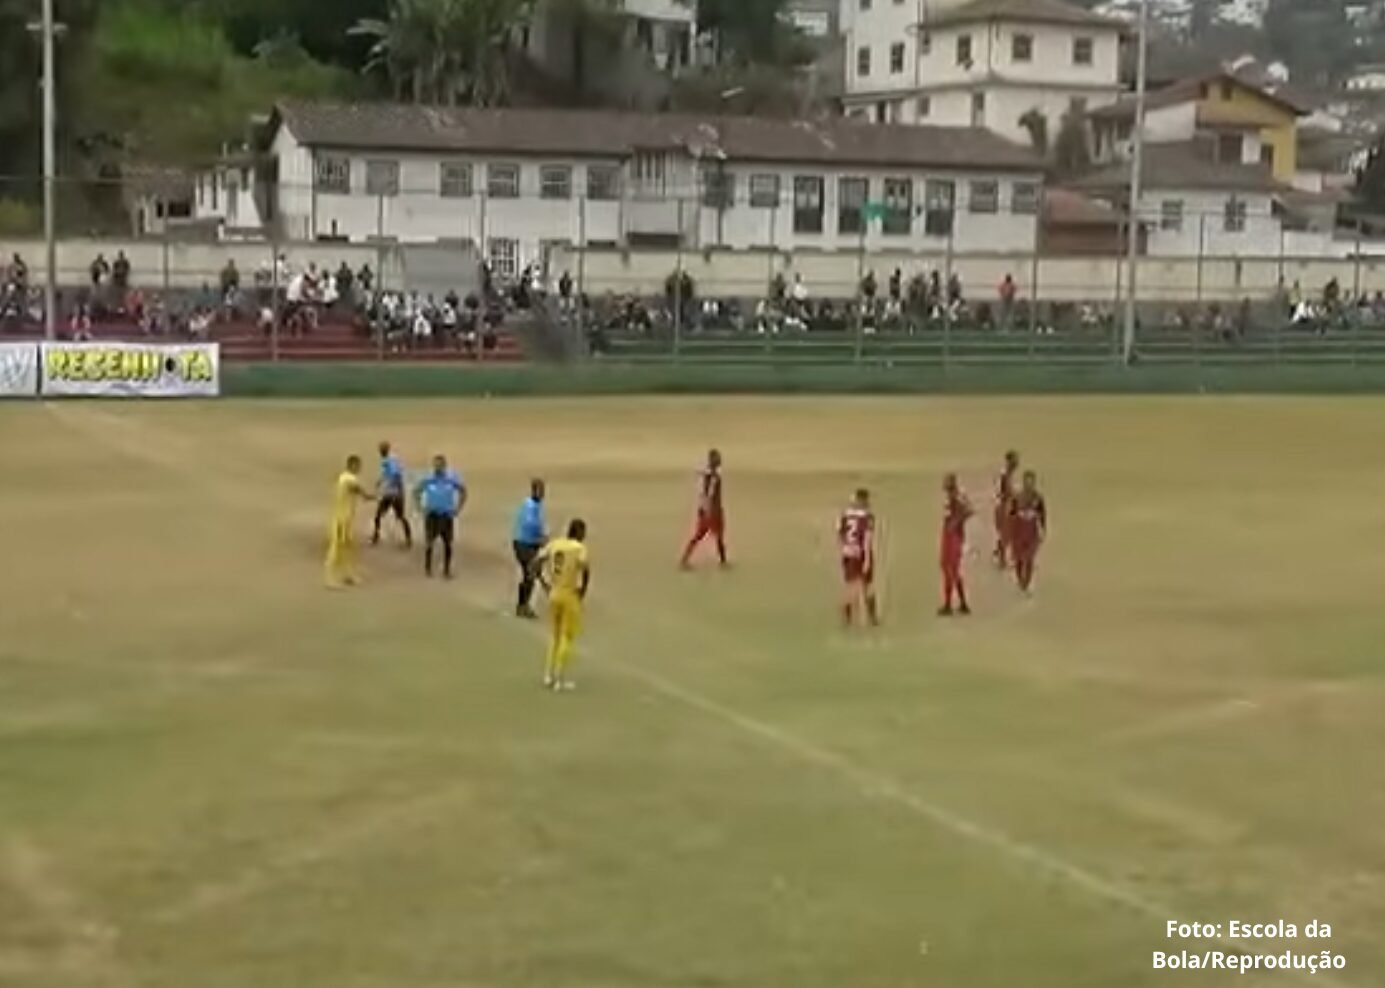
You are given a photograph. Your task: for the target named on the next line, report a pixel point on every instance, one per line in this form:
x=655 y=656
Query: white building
x=1193 y=205
x=225 y=195
x=982 y=63
x=518 y=182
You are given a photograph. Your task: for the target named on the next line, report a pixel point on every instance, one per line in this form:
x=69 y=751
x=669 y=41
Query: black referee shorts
x=391 y=503
x=439 y=526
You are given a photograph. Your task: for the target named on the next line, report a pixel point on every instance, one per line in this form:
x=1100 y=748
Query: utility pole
x=1137 y=161
x=48 y=30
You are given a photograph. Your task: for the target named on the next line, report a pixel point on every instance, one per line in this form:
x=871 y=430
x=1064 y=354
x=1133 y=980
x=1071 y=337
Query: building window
x=502 y=182
x=923 y=107
x=1077 y=106
x=865 y=4
x=1022 y=48
x=851 y=204
x=1235 y=215
x=807 y=204
x=503 y=255
x=1024 y=198
x=382 y=178
x=897 y=57
x=899 y=207
x=555 y=182
x=964 y=50
x=651 y=171
x=764 y=191
x=454 y=179
x=1229 y=149
x=984 y=197
x=1171 y=215
x=939 y=197
x=1267 y=156
x=332 y=173
x=1081 y=51
x=863 y=60
x=1228 y=92
x=603 y=182
x=925 y=43
x=978 y=109
x=718 y=186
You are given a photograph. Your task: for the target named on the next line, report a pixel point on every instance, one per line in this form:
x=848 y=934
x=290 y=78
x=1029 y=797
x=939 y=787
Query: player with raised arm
x=1005 y=508
x=341 y=535
x=856 y=545
x=711 y=513
x=957 y=511
x=563 y=567
x=1030 y=529
x=390 y=489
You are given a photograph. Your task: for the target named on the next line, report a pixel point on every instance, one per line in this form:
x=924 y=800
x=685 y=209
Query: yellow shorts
x=565 y=616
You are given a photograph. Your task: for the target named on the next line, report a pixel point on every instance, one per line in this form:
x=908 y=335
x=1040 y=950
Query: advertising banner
x=18 y=370
x=130 y=370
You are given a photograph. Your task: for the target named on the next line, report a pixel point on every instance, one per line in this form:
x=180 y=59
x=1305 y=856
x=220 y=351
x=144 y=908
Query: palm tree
x=440 y=51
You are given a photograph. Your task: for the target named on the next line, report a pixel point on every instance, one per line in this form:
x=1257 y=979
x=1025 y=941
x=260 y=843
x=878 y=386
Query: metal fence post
x=861 y=288
x=275 y=311
x=1201 y=241
x=678 y=289
x=1034 y=286
x=1124 y=228
x=947 y=282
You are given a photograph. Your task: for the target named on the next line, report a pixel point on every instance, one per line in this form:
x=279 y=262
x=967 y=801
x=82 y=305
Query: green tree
x=442 y=51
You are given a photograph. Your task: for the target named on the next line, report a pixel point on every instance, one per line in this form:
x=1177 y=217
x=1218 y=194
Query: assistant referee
x=530 y=534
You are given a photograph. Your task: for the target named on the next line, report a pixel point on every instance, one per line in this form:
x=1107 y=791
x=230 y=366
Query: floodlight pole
x=1137 y=162
x=50 y=167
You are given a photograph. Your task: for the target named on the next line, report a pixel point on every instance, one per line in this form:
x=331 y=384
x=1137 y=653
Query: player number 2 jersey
x=855 y=533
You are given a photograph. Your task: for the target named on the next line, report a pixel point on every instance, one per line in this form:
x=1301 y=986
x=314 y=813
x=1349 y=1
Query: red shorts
x=709 y=524
x=857 y=569
x=1004 y=523
x=1024 y=544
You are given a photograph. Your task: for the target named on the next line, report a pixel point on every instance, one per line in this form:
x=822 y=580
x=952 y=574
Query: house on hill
x=978 y=63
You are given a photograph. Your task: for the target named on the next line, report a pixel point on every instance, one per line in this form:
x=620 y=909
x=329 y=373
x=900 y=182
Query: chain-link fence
x=964 y=270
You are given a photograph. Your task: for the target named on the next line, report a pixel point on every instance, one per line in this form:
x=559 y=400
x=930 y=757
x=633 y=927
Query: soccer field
x=216 y=774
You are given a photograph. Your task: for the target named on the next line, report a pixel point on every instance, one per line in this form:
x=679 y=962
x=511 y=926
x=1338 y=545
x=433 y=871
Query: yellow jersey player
x=563 y=567
x=341 y=538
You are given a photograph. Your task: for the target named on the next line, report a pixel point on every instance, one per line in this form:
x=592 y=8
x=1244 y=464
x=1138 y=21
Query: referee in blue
x=441 y=495
x=530 y=534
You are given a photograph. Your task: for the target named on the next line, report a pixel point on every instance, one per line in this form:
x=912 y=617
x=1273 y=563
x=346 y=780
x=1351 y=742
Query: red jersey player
x=1030 y=528
x=956 y=512
x=856 y=542
x=1005 y=508
x=711 y=516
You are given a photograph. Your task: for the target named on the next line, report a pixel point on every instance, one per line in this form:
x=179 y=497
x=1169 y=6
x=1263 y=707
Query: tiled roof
x=1026 y=11
x=602 y=133
x=1190 y=90
x=1182 y=166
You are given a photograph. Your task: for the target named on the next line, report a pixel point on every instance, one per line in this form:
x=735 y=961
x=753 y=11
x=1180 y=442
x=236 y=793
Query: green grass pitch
x=216 y=774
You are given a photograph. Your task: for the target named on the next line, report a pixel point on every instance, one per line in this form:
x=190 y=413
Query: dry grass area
x=215 y=774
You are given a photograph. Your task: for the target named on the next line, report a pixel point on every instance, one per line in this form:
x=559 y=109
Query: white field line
x=871 y=784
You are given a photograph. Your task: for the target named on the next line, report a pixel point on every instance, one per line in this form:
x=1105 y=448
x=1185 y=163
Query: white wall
x=418 y=213
x=744 y=226
x=1204 y=226
x=294 y=207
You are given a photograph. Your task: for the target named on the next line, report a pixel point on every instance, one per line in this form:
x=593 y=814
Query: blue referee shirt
x=441 y=493
x=391 y=475
x=529 y=526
